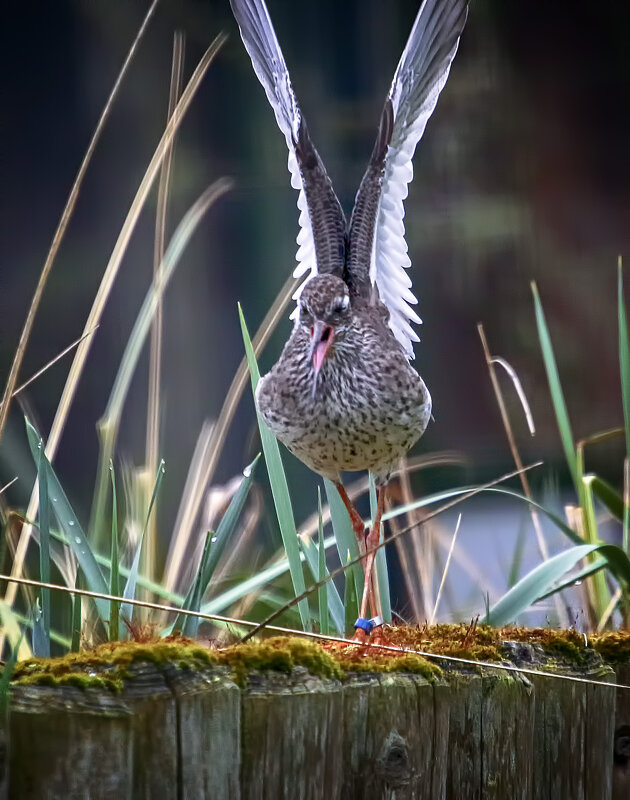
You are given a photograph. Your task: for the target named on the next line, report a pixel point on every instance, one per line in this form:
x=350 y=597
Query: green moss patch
x=613 y=646
x=107 y=666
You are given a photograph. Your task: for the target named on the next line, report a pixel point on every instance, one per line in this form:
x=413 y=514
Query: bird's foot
x=365 y=629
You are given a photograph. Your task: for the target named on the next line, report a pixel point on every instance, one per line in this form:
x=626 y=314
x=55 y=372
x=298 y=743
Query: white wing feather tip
x=424 y=55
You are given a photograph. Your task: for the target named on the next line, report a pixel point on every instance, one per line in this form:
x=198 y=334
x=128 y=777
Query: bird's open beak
x=322 y=336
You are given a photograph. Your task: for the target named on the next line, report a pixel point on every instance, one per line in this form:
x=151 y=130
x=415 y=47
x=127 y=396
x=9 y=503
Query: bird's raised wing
x=377 y=251
x=321 y=238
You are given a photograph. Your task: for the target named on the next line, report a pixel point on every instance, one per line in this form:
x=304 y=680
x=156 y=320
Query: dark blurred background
x=523 y=174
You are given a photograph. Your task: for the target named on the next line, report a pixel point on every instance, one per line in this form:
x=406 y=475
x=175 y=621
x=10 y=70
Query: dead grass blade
x=155 y=351
x=104 y=290
x=62 y=226
x=52 y=362
x=217 y=436
x=7 y=485
x=490 y=362
x=445 y=572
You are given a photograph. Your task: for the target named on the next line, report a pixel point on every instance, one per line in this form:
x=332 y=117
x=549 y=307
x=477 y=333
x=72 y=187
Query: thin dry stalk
x=155 y=353
x=61 y=230
x=421 y=545
x=575 y=521
x=216 y=439
x=445 y=572
x=192 y=497
x=413 y=592
x=490 y=362
x=540 y=536
x=52 y=362
x=612 y=605
x=102 y=296
x=7 y=485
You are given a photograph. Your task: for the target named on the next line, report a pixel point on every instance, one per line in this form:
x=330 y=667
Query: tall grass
x=213 y=564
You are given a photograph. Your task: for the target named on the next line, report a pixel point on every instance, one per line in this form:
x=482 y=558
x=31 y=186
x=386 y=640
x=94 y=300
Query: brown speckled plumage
x=343 y=396
x=369 y=405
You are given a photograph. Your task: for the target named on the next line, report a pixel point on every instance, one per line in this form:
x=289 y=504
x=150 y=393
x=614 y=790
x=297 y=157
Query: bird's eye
x=341 y=303
x=303 y=309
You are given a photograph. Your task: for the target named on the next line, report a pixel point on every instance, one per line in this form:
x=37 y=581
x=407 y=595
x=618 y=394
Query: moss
x=279 y=654
x=567 y=644
x=80 y=680
x=613 y=646
x=409 y=663
x=108 y=665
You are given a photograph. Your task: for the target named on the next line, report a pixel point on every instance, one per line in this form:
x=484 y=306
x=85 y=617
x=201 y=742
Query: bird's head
x=325 y=314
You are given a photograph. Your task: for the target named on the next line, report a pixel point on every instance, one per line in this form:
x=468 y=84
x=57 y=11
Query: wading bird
x=343 y=395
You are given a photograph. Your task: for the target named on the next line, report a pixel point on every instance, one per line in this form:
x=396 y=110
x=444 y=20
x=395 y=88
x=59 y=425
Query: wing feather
x=321 y=239
x=377 y=249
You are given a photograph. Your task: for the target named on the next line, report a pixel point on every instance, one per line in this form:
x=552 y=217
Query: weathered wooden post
x=294 y=722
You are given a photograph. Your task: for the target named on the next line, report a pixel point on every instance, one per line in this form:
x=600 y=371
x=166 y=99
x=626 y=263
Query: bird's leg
x=357 y=520
x=359 y=529
x=371 y=542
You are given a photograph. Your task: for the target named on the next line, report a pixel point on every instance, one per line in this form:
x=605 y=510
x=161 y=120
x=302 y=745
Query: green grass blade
x=279 y=488
x=114 y=572
x=608 y=495
x=540 y=580
x=11 y=628
x=44 y=549
x=213 y=550
x=75 y=643
x=7 y=673
x=322 y=572
x=599 y=591
x=143 y=581
x=576 y=577
x=313 y=559
x=559 y=405
x=380 y=562
x=344 y=536
x=126 y=610
x=41 y=641
x=70 y=526
x=265 y=576
x=350 y=598
x=189 y=626
x=228 y=524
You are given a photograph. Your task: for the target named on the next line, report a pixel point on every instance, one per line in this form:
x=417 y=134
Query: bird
x=343 y=395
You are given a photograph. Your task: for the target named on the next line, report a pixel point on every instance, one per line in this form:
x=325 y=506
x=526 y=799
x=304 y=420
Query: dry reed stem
x=155 y=349
x=52 y=362
x=104 y=290
x=445 y=571
x=62 y=227
x=216 y=439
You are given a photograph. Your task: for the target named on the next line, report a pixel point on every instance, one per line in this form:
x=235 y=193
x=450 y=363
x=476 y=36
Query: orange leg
x=359 y=529
x=370 y=543
x=357 y=520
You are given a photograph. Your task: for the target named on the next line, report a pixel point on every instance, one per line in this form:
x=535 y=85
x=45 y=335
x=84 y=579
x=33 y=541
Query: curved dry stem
x=102 y=296
x=62 y=227
x=214 y=445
